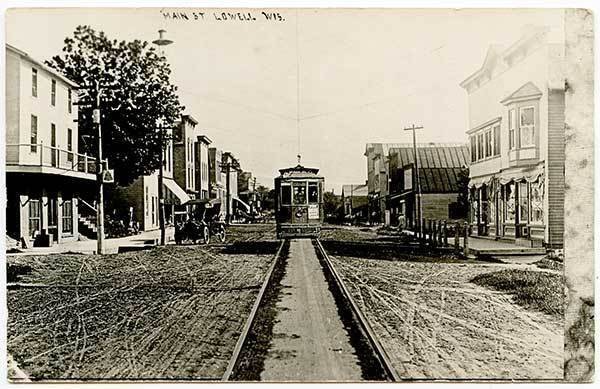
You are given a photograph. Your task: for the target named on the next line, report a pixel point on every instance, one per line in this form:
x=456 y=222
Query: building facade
x=516 y=133
x=440 y=167
x=202 y=166
x=378 y=179
x=45 y=174
x=140 y=200
x=355 y=202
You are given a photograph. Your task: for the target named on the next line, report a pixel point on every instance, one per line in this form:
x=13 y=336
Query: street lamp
x=161 y=42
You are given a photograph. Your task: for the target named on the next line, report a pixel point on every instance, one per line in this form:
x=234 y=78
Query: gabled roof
x=434 y=156
x=527 y=91
x=491 y=58
x=496 y=54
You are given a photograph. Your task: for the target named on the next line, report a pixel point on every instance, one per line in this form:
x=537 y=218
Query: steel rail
x=234 y=360
x=362 y=322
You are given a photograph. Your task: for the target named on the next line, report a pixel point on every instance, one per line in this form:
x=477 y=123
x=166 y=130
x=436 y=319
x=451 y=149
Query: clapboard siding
x=555 y=168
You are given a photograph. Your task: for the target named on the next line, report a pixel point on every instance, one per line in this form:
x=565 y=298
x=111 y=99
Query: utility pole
x=351 y=202
x=227 y=166
x=419 y=205
x=161 y=198
x=253 y=203
x=160 y=42
x=101 y=249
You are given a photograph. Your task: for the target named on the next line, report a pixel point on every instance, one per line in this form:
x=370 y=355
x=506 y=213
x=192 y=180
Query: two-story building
x=516 y=132
x=45 y=174
x=378 y=179
x=202 y=146
x=440 y=167
x=355 y=202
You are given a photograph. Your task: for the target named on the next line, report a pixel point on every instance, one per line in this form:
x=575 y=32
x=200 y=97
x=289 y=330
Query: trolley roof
x=299 y=171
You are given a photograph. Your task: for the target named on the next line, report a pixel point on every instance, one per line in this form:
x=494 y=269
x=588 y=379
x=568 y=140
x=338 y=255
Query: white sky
x=363 y=74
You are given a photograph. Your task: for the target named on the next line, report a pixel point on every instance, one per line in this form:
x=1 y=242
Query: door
x=53 y=151
x=53 y=217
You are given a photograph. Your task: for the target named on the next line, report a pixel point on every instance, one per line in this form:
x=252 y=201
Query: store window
x=537 y=201
x=509 y=196
x=523 y=202
x=491 y=205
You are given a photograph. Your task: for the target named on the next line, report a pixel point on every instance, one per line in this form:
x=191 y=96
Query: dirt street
x=309 y=340
x=434 y=323
x=166 y=313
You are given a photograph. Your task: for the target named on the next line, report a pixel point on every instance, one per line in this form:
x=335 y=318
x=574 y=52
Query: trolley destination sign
x=286 y=195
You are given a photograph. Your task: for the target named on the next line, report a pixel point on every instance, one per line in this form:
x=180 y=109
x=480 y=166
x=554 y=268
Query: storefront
x=509 y=205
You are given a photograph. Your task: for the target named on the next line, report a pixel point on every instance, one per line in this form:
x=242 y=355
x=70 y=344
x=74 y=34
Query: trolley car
x=299 y=202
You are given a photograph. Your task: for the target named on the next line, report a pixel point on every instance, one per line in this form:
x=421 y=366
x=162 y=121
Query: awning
x=529 y=174
x=243 y=204
x=176 y=190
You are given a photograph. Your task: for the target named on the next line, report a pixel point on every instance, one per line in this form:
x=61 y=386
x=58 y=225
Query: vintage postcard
x=299 y=194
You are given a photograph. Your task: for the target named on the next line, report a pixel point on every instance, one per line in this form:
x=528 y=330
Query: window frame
x=512 y=129
x=33 y=138
x=34 y=82
x=69 y=144
x=36 y=219
x=496 y=140
x=527 y=127
x=53 y=93
x=67 y=219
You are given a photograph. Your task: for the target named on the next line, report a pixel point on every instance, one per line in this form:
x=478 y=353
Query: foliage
x=332 y=205
x=136 y=93
x=462 y=201
x=533 y=289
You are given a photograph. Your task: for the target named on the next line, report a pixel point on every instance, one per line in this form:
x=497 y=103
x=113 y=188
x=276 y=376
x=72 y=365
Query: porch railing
x=38 y=154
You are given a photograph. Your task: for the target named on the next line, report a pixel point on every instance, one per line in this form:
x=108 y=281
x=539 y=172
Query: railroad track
x=363 y=339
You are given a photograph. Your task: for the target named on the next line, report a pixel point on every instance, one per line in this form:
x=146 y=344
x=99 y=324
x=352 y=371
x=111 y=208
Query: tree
x=331 y=205
x=135 y=94
x=462 y=201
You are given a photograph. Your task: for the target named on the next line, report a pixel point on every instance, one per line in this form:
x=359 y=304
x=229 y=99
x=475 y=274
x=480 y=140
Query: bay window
x=488 y=144
x=480 y=151
x=473 y=149
x=527 y=126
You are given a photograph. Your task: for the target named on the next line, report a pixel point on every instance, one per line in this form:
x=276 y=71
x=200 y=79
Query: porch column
x=44 y=211
x=23 y=210
x=59 y=213
x=75 y=216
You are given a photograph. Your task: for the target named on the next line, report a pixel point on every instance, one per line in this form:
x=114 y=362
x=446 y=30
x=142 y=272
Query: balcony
x=42 y=159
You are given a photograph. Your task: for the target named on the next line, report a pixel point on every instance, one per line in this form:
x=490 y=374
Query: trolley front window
x=286 y=195
x=313 y=192
x=299 y=192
